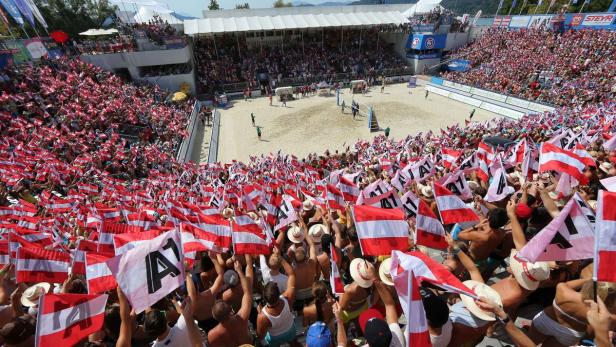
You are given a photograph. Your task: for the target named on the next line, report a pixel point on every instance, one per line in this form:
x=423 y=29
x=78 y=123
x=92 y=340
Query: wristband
x=455 y=231
x=505 y=320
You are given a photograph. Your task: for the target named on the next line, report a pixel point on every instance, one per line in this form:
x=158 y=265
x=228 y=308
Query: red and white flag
x=427 y=269
x=5 y=256
x=334 y=198
x=586 y=157
x=380 y=230
x=122 y=243
x=609 y=183
x=249 y=237
x=429 y=230
x=569 y=236
x=78 y=267
x=335 y=281
x=407 y=288
x=98 y=275
x=451 y=208
x=68 y=319
x=554 y=158
x=350 y=191
x=197 y=240
x=149 y=272
x=605 y=240
x=450 y=157
x=457 y=184
x=107 y=230
x=41 y=265
x=610 y=145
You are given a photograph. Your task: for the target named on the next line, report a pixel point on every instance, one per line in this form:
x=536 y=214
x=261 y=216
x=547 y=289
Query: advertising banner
x=426 y=41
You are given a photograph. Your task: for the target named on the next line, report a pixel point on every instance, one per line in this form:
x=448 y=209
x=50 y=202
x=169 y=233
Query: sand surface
x=315 y=123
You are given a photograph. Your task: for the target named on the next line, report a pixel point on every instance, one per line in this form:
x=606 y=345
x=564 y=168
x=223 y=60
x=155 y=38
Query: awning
x=291 y=21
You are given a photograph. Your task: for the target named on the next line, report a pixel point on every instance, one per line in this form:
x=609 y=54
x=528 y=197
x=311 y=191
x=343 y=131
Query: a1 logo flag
x=605 y=237
x=67 y=319
x=160 y=259
x=285 y=214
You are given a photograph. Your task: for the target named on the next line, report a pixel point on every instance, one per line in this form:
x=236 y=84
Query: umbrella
x=59 y=36
x=98 y=32
x=178 y=96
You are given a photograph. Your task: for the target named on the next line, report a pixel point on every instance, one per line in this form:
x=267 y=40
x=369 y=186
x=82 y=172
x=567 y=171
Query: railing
x=184 y=150
x=131 y=44
x=337 y=77
x=212 y=155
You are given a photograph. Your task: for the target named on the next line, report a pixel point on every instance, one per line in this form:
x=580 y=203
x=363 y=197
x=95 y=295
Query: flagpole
x=581 y=9
x=522 y=8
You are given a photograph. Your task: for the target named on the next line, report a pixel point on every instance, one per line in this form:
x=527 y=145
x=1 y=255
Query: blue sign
x=459 y=65
x=424 y=56
x=426 y=41
x=12 y=9
x=424 y=28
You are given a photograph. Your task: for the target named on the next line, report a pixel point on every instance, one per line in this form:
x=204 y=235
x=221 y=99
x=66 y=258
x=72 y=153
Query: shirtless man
x=232 y=331
x=305 y=269
x=484 y=238
x=202 y=302
x=356 y=295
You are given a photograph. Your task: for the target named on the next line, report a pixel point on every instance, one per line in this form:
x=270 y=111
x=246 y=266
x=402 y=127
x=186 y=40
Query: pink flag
x=149 y=272
x=609 y=183
x=569 y=236
x=457 y=184
x=285 y=214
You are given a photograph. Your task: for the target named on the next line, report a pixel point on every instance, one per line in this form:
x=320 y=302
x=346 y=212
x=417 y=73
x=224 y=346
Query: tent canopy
x=146 y=14
x=99 y=32
x=290 y=21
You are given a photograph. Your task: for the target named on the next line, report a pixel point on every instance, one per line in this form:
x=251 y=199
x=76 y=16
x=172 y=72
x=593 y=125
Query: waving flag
x=249 y=237
x=451 y=208
x=429 y=230
x=569 y=236
x=122 y=243
x=457 y=184
x=335 y=281
x=410 y=203
x=450 y=157
x=98 y=275
x=162 y=262
x=498 y=189
x=41 y=265
x=609 y=183
x=349 y=190
x=427 y=269
x=553 y=158
x=67 y=319
x=605 y=241
x=380 y=230
x=107 y=230
x=285 y=213
x=334 y=198
x=78 y=267
x=407 y=288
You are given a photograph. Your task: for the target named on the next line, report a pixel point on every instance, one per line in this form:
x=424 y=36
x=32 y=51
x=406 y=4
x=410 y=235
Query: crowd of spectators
x=61 y=144
x=564 y=69
x=163 y=70
x=229 y=59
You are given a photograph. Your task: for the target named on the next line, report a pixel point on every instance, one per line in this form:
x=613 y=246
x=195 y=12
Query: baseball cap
x=376 y=330
x=523 y=211
x=318 y=335
x=231 y=278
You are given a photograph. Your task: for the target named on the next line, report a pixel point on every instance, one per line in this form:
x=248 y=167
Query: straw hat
x=362 y=272
x=307 y=205
x=31 y=295
x=384 y=274
x=316 y=232
x=528 y=274
x=227 y=213
x=253 y=216
x=295 y=234
x=482 y=290
x=427 y=191
x=606 y=167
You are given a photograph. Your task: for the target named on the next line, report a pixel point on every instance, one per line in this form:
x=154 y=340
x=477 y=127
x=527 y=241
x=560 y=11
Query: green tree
x=75 y=16
x=281 y=3
x=489 y=6
x=243 y=6
x=213 y=5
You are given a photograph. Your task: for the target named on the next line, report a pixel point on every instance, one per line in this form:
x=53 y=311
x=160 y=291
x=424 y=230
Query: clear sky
x=194 y=7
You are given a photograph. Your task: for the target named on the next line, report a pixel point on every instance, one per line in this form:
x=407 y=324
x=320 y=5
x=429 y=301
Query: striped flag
x=334 y=198
x=554 y=158
x=349 y=190
x=249 y=237
x=196 y=240
x=335 y=281
x=41 y=265
x=407 y=287
x=450 y=157
x=451 y=208
x=98 y=275
x=605 y=240
x=380 y=230
x=429 y=230
x=122 y=243
x=67 y=319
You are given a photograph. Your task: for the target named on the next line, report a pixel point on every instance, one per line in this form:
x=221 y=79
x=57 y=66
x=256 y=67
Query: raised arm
x=341 y=331
x=519 y=239
x=244 y=311
x=459 y=249
x=311 y=248
x=191 y=327
x=517 y=336
x=548 y=203
x=391 y=316
x=473 y=234
x=126 y=327
x=192 y=292
x=290 y=292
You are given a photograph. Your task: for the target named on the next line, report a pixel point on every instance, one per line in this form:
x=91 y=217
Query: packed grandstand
x=501 y=229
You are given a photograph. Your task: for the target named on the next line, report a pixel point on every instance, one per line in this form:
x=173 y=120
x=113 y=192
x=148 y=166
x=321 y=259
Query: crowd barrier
x=475 y=96
x=187 y=145
x=212 y=155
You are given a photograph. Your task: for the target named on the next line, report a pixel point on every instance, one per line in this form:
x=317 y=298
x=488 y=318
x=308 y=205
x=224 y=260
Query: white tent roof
x=290 y=21
x=145 y=14
x=99 y=32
